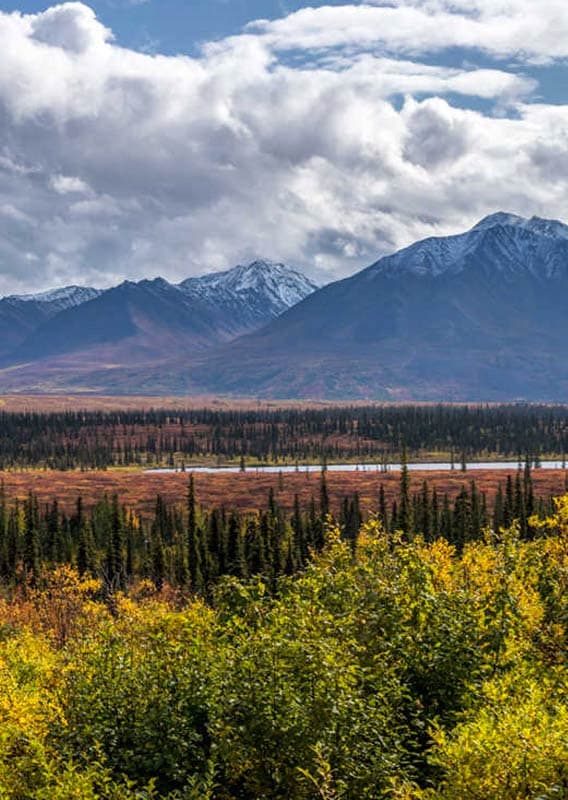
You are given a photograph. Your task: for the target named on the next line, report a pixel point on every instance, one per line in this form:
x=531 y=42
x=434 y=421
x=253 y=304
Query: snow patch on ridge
x=501 y=242
x=66 y=295
x=275 y=284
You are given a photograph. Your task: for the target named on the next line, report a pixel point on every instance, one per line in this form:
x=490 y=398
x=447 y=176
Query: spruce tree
x=383 y=511
x=15 y=537
x=194 y=543
x=404 y=521
x=254 y=548
x=461 y=526
x=446 y=527
x=86 y=551
x=235 y=548
x=519 y=506
x=498 y=515
x=115 y=567
x=31 y=553
x=476 y=512
x=509 y=504
x=435 y=515
x=425 y=524
x=324 y=496
x=158 y=561
x=4 y=569
x=297 y=524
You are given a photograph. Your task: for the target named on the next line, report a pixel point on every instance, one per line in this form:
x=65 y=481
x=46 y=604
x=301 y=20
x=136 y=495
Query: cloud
x=117 y=164
x=72 y=27
x=435 y=135
x=519 y=28
x=64 y=184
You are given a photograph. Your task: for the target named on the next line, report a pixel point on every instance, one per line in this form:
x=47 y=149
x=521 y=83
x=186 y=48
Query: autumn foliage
x=404 y=669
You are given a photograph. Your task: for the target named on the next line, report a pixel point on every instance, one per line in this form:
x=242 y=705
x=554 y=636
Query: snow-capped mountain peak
x=538 y=225
x=64 y=297
x=501 y=242
x=498 y=218
x=141 y=321
x=276 y=286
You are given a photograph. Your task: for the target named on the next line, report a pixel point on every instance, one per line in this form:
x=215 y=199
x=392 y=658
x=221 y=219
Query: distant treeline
x=190 y=548
x=96 y=440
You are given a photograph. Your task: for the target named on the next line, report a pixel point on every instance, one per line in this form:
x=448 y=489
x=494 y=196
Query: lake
x=378 y=468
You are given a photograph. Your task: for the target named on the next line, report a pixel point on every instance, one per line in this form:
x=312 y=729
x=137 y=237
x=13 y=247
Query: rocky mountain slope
x=482 y=315
x=150 y=321
x=20 y=315
x=261 y=290
x=478 y=316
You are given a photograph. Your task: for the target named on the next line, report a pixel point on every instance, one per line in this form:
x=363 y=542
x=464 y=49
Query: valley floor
x=249 y=491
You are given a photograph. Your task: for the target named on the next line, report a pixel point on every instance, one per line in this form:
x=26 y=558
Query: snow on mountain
x=272 y=286
x=137 y=322
x=474 y=317
x=65 y=297
x=21 y=315
x=500 y=242
x=551 y=228
x=499 y=218
x=266 y=288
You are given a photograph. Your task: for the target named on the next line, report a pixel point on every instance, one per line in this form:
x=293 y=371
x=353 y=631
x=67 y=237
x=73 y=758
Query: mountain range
x=74 y=329
x=477 y=316
x=21 y=315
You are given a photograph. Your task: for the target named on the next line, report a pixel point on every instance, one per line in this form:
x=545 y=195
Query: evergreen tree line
x=95 y=439
x=191 y=548
x=433 y=515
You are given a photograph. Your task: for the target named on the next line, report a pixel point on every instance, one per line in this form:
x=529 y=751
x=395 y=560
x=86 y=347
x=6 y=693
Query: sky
x=176 y=137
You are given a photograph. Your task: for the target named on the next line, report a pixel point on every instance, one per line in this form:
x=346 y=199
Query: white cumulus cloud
x=65 y=184
x=524 y=29
x=322 y=139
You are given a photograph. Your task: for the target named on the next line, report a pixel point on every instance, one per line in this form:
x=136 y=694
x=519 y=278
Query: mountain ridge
x=477 y=316
x=437 y=255
x=63 y=297
x=138 y=321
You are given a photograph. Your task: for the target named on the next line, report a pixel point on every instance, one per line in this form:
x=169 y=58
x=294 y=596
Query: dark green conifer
x=297 y=524
x=115 y=578
x=324 y=496
x=86 y=550
x=446 y=526
x=158 y=561
x=31 y=552
x=235 y=548
x=405 y=521
x=383 y=511
x=498 y=515
x=194 y=541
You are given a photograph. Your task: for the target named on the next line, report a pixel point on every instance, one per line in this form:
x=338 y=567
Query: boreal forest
x=408 y=645
x=96 y=439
